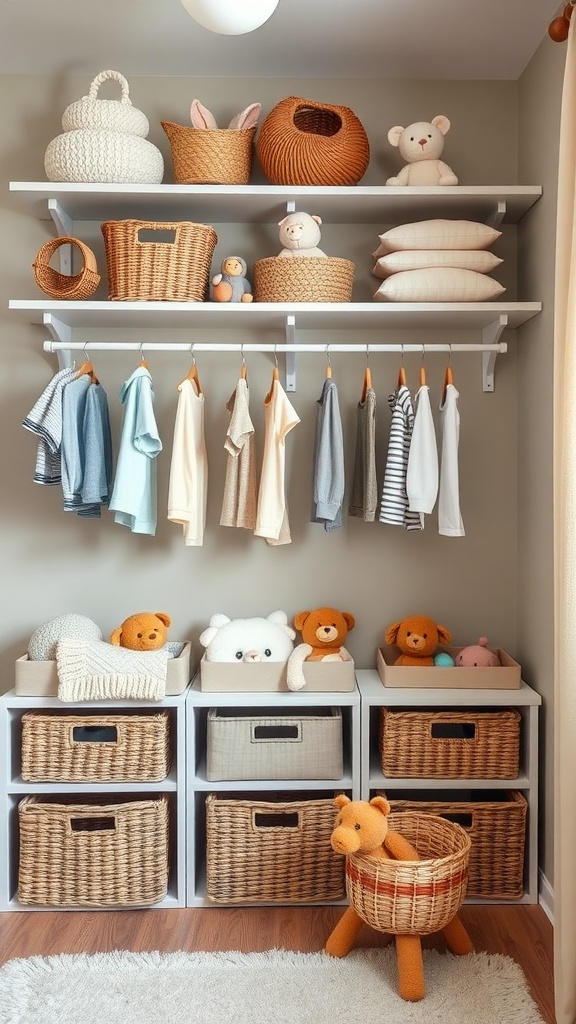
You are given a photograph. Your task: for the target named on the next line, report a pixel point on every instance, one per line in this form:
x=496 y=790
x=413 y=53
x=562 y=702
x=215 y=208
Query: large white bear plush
x=421 y=144
x=250 y=640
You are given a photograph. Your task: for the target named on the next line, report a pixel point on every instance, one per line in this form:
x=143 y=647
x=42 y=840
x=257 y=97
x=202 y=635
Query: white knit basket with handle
x=92 y=155
x=111 y=115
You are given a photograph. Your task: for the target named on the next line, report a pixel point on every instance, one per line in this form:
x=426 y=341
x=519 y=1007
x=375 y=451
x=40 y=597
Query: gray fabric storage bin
x=245 y=744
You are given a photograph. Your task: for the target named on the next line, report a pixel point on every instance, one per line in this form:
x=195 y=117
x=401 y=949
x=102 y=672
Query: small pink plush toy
x=477 y=656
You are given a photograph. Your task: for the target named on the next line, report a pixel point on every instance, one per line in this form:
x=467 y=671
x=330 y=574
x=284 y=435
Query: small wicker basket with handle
x=66 y=286
x=111 y=115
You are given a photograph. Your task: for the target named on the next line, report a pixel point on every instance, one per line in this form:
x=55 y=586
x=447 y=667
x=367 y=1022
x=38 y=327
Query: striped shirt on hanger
x=394 y=501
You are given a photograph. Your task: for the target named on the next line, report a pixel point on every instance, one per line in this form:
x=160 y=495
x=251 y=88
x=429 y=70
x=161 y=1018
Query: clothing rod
x=192 y=349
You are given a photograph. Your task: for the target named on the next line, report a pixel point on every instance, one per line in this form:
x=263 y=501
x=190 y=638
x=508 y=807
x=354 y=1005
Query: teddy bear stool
x=405 y=875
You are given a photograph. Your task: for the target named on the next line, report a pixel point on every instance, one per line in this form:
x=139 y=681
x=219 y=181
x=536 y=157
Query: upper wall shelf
x=359 y=204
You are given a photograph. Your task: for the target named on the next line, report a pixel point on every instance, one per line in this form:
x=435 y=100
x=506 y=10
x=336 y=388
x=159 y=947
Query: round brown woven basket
x=405 y=897
x=210 y=156
x=66 y=286
x=303 y=142
x=303 y=279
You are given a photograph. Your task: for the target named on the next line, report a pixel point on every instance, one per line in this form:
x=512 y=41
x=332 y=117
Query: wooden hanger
x=275 y=377
x=87 y=367
x=143 y=362
x=367 y=379
x=422 y=370
x=448 y=378
x=243 y=369
x=192 y=374
x=328 y=364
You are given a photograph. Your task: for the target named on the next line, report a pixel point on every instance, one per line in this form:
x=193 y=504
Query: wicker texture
x=74 y=748
x=210 y=156
x=303 y=142
x=271 y=851
x=66 y=286
x=497 y=830
x=176 y=270
x=412 y=897
x=488 y=747
x=93 y=854
x=307 y=745
x=99 y=155
x=112 y=115
x=303 y=279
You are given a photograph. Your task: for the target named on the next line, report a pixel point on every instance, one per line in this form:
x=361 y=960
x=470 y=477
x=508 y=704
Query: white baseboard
x=546 y=896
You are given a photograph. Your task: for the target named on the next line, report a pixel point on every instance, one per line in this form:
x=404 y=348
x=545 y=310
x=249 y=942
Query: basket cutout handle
x=97 y=823
x=104 y=735
x=156 y=234
x=285 y=732
x=453 y=731
x=103 y=77
x=463 y=818
x=262 y=820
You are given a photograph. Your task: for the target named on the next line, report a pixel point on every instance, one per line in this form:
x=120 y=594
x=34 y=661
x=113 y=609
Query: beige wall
x=53 y=562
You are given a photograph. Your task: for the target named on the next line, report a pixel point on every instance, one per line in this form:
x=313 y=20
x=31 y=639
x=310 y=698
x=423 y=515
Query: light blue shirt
x=134 y=497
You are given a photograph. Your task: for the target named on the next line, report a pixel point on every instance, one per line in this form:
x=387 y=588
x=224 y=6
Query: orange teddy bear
x=324 y=632
x=417 y=637
x=362 y=827
x=143 y=631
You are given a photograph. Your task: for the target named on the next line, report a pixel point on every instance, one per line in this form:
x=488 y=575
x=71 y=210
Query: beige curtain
x=565 y=556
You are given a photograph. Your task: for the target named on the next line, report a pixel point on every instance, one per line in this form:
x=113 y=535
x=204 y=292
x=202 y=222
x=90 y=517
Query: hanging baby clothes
x=239 y=501
x=134 y=497
x=45 y=421
x=86 y=447
x=364 y=497
x=394 y=501
x=329 y=480
x=188 y=485
x=449 y=516
x=272 y=511
x=422 y=471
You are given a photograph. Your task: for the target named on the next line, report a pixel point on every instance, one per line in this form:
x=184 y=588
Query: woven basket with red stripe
x=406 y=897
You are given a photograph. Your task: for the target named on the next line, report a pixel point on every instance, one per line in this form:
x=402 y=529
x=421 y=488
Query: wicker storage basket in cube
x=95 y=748
x=92 y=853
x=243 y=744
x=450 y=744
x=496 y=825
x=303 y=279
x=155 y=260
x=271 y=851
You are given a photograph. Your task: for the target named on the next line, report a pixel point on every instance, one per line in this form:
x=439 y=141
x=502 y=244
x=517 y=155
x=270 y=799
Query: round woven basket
x=412 y=897
x=99 y=155
x=303 y=142
x=303 y=279
x=66 y=286
x=210 y=156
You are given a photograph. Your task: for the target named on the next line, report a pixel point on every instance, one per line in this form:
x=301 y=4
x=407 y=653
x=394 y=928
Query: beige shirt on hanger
x=239 y=501
x=279 y=418
x=188 y=485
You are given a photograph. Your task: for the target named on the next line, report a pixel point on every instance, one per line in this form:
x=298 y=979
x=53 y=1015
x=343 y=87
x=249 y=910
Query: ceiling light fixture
x=230 y=17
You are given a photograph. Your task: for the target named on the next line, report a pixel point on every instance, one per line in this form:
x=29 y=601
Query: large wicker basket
x=303 y=142
x=95 y=748
x=210 y=156
x=496 y=825
x=450 y=744
x=303 y=279
x=176 y=270
x=93 y=854
x=271 y=851
x=66 y=286
x=412 y=897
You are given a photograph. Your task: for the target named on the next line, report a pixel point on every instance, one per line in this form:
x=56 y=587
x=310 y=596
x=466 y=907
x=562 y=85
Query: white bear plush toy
x=421 y=144
x=250 y=640
x=300 y=234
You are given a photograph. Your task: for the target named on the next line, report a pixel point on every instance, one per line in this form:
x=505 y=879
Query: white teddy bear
x=421 y=144
x=300 y=234
x=250 y=640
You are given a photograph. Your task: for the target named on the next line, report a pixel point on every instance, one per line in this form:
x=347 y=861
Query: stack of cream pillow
x=437 y=261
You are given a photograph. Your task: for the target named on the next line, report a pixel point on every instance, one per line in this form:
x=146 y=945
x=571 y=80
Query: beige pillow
x=437 y=234
x=438 y=284
x=418 y=259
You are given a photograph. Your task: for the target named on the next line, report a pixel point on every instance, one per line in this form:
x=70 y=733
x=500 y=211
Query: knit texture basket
x=210 y=156
x=93 y=854
x=95 y=748
x=111 y=115
x=303 y=279
x=303 y=142
x=101 y=155
x=496 y=826
x=66 y=286
x=271 y=851
x=176 y=270
x=406 y=897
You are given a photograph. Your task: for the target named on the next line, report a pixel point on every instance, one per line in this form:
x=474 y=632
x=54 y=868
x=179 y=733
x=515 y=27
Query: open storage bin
x=157 y=260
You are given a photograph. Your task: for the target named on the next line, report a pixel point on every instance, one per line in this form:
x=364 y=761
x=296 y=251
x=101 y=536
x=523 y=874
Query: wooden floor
x=524 y=933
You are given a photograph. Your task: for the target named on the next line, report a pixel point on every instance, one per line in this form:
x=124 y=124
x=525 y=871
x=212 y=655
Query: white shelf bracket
x=64 y=229
x=290 y=206
x=290 y=356
x=60 y=332
x=495 y=219
x=491 y=336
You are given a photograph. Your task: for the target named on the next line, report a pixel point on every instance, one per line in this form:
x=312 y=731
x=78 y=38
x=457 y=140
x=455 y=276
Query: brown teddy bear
x=324 y=632
x=143 y=631
x=418 y=638
x=362 y=827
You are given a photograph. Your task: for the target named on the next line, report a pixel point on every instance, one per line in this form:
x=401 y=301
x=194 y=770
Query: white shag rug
x=275 y=987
